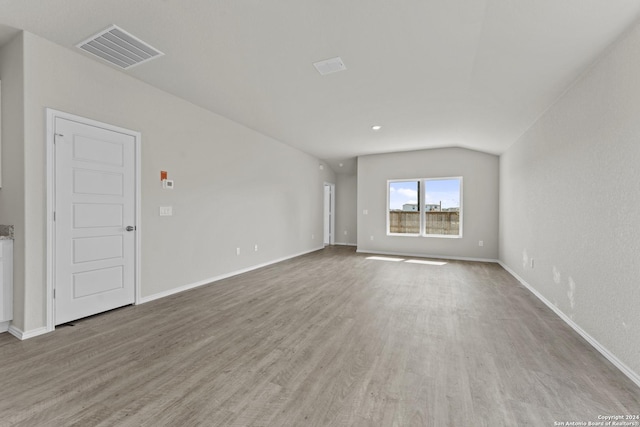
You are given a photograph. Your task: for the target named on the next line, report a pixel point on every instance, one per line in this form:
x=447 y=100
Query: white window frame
x=420 y=197
x=421 y=203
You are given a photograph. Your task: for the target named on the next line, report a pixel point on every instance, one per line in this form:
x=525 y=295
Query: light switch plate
x=166 y=210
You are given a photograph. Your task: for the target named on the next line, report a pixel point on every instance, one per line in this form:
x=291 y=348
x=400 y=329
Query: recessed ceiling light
x=376 y=127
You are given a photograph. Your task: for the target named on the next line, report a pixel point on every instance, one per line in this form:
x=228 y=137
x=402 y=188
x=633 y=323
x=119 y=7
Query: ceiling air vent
x=120 y=48
x=329 y=66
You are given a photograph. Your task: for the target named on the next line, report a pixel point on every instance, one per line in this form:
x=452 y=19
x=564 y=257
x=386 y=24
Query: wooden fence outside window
x=442 y=223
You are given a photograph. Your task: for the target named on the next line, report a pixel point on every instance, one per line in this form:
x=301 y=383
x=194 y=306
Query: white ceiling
x=433 y=73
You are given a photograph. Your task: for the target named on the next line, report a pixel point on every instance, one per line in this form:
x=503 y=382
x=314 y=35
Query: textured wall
x=12 y=192
x=234 y=187
x=570 y=199
x=346 y=202
x=480 y=201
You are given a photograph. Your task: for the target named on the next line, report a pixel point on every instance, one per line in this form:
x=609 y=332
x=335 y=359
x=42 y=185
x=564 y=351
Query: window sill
x=438 y=236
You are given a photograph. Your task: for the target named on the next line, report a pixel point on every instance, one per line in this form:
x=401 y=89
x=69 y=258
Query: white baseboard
x=344 y=244
x=633 y=376
x=408 y=254
x=21 y=335
x=197 y=284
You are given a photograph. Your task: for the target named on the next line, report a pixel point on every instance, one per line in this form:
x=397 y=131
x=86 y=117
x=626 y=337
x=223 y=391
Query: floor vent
x=119 y=48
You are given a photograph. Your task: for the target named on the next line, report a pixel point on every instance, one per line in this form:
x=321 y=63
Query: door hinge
x=54 y=293
x=54 y=215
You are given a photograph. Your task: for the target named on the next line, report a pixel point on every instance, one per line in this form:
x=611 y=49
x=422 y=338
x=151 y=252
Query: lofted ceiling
x=432 y=73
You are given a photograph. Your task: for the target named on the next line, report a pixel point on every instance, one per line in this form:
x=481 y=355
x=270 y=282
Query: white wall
x=570 y=199
x=233 y=187
x=480 y=201
x=346 y=208
x=12 y=191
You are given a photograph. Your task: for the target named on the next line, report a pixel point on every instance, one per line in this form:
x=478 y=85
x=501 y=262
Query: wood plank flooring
x=327 y=339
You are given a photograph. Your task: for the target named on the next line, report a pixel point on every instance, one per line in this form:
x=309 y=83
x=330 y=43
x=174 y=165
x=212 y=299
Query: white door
x=94 y=203
x=328 y=214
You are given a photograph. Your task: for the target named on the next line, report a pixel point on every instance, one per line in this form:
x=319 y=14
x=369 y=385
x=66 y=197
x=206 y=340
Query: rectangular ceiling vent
x=329 y=66
x=119 y=48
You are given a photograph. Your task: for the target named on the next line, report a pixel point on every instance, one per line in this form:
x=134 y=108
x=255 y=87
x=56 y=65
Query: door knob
x=130 y=228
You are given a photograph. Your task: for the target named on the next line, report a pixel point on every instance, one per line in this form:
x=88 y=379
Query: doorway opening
x=329 y=213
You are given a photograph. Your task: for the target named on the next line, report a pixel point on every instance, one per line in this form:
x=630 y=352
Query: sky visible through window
x=446 y=191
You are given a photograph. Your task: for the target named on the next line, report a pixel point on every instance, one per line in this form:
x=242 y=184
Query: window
x=404 y=207
x=430 y=207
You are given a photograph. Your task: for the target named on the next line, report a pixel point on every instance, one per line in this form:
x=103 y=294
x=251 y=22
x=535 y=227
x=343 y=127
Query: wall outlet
x=313 y=236
x=345 y=232
x=255 y=248
x=166 y=210
x=237 y=251
x=480 y=243
x=371 y=237
x=365 y=212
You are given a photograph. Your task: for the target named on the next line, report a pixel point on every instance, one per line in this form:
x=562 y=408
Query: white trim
x=4 y=326
x=332 y=212
x=416 y=255
x=197 y=284
x=422 y=184
x=1 y=134
x=138 y=208
x=49 y=243
x=633 y=376
x=21 y=335
x=345 y=244
x=51 y=115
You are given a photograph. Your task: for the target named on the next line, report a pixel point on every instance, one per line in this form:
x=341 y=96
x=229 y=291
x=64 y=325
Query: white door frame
x=51 y=116
x=332 y=213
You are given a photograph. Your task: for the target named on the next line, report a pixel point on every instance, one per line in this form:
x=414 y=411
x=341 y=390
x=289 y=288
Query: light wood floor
x=327 y=339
